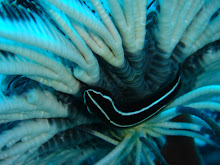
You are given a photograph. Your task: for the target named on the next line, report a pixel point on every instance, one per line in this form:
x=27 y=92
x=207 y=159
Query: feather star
x=51 y=51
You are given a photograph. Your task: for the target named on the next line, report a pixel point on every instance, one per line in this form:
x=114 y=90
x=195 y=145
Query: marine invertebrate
x=52 y=51
x=102 y=105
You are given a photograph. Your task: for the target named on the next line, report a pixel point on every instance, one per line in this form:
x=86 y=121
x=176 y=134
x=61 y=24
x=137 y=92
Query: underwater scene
x=110 y=82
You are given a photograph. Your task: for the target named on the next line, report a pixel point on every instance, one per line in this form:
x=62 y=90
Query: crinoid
x=108 y=81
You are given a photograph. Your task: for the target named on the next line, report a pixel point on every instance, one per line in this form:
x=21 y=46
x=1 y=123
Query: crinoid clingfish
x=109 y=82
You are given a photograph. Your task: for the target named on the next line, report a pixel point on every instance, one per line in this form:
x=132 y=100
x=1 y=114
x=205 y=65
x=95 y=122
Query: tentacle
x=198 y=135
x=150 y=145
x=130 y=19
x=203 y=116
x=44 y=129
x=92 y=65
x=99 y=135
x=168 y=114
x=34 y=104
x=116 y=152
x=61 y=140
x=212 y=89
x=139 y=148
x=40 y=32
x=45 y=37
x=107 y=32
x=192 y=39
x=124 y=153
